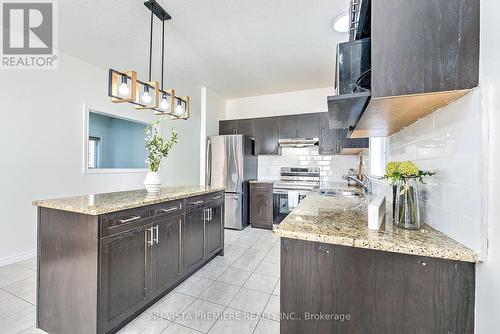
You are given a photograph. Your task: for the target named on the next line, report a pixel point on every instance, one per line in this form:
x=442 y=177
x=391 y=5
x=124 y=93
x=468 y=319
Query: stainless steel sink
x=340 y=193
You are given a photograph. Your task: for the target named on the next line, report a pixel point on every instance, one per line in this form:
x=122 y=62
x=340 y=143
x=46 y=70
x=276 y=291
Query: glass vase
x=407 y=213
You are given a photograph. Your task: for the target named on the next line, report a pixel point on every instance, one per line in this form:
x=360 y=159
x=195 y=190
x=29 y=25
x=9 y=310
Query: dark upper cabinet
x=166 y=252
x=124 y=273
x=424 y=46
x=228 y=127
x=298 y=126
x=246 y=127
x=288 y=127
x=308 y=125
x=193 y=243
x=328 y=138
x=336 y=141
x=266 y=136
x=233 y=127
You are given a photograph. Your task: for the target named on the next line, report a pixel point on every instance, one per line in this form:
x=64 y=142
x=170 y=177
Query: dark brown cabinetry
x=336 y=141
x=213 y=232
x=424 y=46
x=266 y=132
x=123 y=283
x=299 y=126
x=101 y=271
x=381 y=292
x=166 y=251
x=424 y=55
x=193 y=245
x=266 y=136
x=261 y=204
x=246 y=127
x=228 y=127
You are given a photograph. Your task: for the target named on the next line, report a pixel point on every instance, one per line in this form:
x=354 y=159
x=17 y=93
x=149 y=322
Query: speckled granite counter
x=343 y=221
x=97 y=204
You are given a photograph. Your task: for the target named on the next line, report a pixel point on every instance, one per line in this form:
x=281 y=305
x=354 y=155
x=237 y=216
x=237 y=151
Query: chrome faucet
x=366 y=184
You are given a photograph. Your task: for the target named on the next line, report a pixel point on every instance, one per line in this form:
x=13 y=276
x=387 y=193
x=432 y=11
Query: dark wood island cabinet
x=337 y=276
x=103 y=259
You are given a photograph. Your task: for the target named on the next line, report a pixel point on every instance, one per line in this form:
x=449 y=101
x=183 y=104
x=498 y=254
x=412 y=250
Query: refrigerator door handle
x=208 y=161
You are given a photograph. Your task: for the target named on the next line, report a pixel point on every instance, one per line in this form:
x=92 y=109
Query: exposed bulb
x=146 y=98
x=179 y=110
x=123 y=89
x=164 y=104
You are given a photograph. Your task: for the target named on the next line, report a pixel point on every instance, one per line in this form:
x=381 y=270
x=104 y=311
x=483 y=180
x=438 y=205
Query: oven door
x=280 y=204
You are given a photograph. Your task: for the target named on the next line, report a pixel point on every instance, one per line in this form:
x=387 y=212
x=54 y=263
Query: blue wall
x=122 y=141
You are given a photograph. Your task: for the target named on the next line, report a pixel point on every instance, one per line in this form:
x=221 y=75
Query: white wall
x=449 y=142
x=213 y=109
x=41 y=142
x=488 y=273
x=298 y=102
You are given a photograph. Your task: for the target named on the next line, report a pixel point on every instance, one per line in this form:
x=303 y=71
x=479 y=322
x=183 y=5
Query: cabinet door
x=228 y=127
x=288 y=127
x=261 y=205
x=214 y=229
x=124 y=274
x=351 y=142
x=424 y=46
x=246 y=127
x=328 y=138
x=308 y=125
x=193 y=240
x=266 y=135
x=166 y=261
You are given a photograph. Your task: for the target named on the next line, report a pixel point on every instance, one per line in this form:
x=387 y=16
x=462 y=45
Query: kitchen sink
x=340 y=193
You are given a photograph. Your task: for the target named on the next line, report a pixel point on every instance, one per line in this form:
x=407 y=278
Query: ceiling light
x=341 y=23
x=125 y=87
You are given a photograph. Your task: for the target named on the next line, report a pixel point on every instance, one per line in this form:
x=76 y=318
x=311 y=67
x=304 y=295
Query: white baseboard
x=17 y=257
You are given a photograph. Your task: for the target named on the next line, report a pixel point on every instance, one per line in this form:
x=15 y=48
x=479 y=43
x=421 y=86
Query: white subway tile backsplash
x=465 y=200
x=331 y=167
x=448 y=142
x=422 y=129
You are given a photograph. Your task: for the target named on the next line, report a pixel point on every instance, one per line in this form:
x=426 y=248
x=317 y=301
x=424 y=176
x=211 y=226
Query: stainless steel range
x=294 y=184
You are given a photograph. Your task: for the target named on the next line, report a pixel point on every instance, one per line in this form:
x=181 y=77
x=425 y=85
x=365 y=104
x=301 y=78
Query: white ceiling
x=235 y=47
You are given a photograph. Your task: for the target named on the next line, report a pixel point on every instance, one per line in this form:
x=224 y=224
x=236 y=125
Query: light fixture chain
x=151 y=42
x=162 y=52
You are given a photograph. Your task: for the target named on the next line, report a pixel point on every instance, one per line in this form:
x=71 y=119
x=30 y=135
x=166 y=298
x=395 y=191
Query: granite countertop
x=343 y=221
x=97 y=204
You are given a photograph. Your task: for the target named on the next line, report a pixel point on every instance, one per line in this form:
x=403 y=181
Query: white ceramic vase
x=152 y=182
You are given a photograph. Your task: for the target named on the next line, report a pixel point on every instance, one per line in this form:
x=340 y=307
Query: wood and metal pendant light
x=125 y=87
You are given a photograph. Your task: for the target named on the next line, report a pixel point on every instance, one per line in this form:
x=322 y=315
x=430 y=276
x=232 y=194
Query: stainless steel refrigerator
x=231 y=164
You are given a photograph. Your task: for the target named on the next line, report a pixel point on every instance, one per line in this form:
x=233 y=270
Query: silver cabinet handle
x=155 y=229
x=170 y=209
x=150 y=241
x=131 y=219
x=216 y=197
x=210 y=214
x=196 y=202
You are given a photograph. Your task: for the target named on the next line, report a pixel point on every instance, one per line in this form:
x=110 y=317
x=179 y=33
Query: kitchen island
x=337 y=276
x=105 y=258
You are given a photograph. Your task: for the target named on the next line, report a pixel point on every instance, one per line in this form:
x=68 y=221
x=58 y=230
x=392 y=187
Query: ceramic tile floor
x=236 y=293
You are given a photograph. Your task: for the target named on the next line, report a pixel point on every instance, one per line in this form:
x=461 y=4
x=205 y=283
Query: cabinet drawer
x=200 y=201
x=117 y=222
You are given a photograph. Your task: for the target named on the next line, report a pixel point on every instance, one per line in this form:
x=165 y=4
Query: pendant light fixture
x=125 y=87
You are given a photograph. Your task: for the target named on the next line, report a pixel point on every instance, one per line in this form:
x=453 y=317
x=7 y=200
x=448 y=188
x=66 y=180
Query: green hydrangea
x=392 y=167
x=408 y=169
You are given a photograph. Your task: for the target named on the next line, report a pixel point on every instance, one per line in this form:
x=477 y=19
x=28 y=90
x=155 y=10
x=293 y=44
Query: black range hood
x=345 y=110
